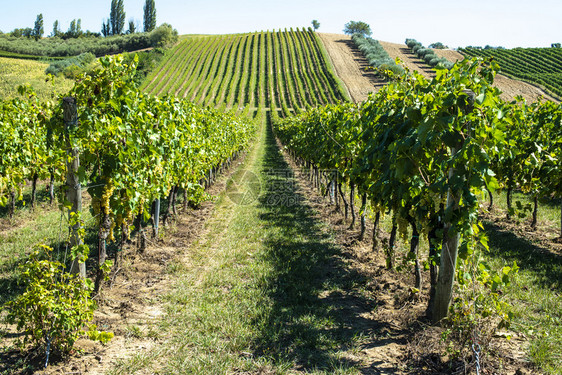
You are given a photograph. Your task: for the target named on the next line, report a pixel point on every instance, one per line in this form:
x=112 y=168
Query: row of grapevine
x=536 y=65
x=428 y=151
x=133 y=148
x=286 y=68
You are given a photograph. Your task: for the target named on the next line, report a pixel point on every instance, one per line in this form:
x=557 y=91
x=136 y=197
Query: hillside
x=258 y=266
x=281 y=69
x=350 y=66
x=16 y=72
x=510 y=87
x=541 y=66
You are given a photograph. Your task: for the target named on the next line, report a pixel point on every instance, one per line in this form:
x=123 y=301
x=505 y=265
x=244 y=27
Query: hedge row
x=376 y=55
x=55 y=46
x=427 y=54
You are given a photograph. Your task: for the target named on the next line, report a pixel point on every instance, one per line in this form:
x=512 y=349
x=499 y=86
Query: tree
x=56 y=29
x=149 y=16
x=38 y=28
x=117 y=17
x=75 y=29
x=27 y=32
x=132 y=27
x=357 y=27
x=315 y=24
x=437 y=45
x=163 y=36
x=105 y=28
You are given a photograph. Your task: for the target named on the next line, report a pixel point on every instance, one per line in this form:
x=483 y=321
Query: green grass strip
x=264 y=291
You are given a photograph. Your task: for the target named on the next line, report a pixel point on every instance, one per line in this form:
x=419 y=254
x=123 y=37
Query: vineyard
x=13 y=72
x=279 y=272
x=535 y=65
x=430 y=153
x=285 y=70
x=106 y=149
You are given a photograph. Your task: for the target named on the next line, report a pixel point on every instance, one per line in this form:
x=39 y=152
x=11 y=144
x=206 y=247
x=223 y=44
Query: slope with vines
x=541 y=66
x=280 y=69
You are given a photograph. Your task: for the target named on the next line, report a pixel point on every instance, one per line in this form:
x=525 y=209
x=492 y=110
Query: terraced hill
x=286 y=70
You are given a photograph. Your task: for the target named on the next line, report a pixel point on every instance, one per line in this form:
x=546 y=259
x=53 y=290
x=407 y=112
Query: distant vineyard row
x=284 y=69
x=536 y=65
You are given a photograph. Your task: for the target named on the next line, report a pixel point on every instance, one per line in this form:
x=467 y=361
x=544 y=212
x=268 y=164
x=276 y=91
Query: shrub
x=424 y=51
x=437 y=45
x=55 y=307
x=377 y=56
x=163 y=36
x=435 y=61
x=72 y=67
x=429 y=56
x=396 y=69
x=411 y=43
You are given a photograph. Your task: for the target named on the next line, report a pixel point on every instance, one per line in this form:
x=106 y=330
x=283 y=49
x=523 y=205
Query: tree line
x=114 y=25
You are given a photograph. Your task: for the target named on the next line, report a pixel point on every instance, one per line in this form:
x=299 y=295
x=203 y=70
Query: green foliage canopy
x=357 y=27
x=117 y=17
x=38 y=28
x=315 y=24
x=149 y=16
x=165 y=35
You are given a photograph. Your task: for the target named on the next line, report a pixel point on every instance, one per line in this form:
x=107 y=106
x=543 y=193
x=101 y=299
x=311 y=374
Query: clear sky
x=507 y=23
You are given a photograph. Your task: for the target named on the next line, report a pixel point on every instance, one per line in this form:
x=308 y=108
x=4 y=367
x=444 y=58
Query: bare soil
x=130 y=305
x=411 y=61
x=399 y=339
x=509 y=87
x=352 y=68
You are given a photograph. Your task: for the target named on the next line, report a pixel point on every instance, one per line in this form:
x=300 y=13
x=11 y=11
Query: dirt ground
x=130 y=307
x=509 y=87
x=350 y=66
x=399 y=338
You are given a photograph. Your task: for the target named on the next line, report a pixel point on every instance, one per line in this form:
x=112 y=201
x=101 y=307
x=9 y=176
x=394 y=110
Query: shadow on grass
x=546 y=265
x=317 y=313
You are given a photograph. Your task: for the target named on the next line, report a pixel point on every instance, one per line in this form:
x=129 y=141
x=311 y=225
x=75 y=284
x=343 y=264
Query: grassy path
x=264 y=290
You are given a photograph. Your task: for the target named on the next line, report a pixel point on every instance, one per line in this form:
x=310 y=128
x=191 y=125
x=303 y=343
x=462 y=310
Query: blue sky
x=505 y=23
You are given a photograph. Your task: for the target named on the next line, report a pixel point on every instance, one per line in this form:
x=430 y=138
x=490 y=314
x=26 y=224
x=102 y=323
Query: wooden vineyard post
x=73 y=188
x=451 y=238
x=156 y=217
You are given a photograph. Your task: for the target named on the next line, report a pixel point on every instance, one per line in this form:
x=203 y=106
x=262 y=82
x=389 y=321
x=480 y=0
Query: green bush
x=424 y=51
x=58 y=47
x=146 y=62
x=435 y=61
x=163 y=36
x=56 y=307
x=72 y=67
x=376 y=55
x=428 y=55
x=411 y=43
